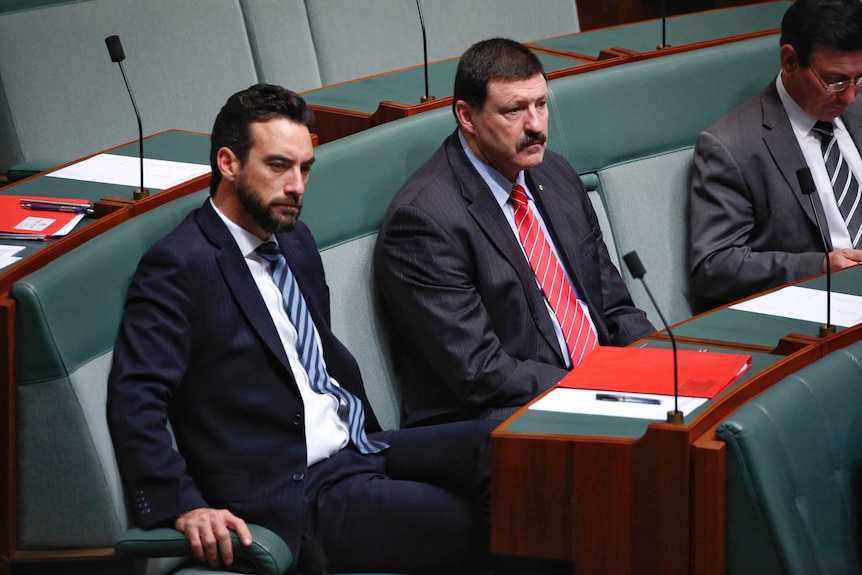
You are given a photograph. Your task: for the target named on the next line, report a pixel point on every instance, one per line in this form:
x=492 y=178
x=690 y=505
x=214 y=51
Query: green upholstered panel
x=646 y=201
x=68 y=312
x=357 y=320
x=652 y=106
x=356 y=39
x=281 y=43
x=793 y=463
x=354 y=178
x=67 y=99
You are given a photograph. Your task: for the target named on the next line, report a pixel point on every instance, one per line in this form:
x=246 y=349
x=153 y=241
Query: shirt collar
x=245 y=240
x=500 y=186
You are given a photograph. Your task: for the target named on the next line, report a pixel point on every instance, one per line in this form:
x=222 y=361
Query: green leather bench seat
x=794 y=456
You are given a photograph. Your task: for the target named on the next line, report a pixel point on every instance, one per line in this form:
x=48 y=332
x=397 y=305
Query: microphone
x=115 y=51
x=806 y=184
x=426 y=97
x=663 y=26
x=636 y=268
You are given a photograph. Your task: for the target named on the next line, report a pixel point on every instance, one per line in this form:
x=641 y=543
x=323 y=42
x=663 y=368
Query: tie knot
x=518 y=196
x=823 y=128
x=269 y=251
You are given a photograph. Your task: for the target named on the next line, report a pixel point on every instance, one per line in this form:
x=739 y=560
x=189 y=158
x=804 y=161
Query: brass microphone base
x=140 y=193
x=424 y=99
x=826 y=330
x=674 y=416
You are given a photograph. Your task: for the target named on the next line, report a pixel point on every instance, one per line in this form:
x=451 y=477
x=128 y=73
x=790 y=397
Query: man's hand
x=208 y=531
x=843 y=258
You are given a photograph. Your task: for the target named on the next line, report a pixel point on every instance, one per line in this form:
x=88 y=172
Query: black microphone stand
x=426 y=97
x=115 y=50
x=636 y=268
x=806 y=184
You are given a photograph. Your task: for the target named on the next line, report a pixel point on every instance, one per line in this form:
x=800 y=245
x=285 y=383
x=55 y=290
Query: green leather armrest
x=269 y=553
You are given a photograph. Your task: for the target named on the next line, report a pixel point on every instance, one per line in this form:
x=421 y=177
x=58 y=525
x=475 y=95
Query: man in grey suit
x=477 y=332
x=751 y=226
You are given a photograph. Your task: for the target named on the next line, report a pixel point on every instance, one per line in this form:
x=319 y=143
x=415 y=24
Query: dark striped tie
x=310 y=353
x=844 y=183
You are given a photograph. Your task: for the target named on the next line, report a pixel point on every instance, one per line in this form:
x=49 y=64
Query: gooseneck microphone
x=115 y=50
x=427 y=97
x=806 y=184
x=663 y=26
x=636 y=268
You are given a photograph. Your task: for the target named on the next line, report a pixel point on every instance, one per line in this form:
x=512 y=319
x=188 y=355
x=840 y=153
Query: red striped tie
x=576 y=328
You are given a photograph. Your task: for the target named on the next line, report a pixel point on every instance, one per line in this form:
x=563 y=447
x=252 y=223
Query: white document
x=7 y=255
x=126 y=171
x=806 y=304
x=584 y=401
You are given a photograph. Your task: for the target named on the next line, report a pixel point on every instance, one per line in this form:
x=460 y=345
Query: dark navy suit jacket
x=198 y=347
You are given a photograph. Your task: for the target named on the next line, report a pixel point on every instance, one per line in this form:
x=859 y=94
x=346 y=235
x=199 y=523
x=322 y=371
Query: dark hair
x=831 y=23
x=494 y=59
x=259 y=103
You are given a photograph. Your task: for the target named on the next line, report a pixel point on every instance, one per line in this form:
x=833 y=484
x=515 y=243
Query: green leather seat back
x=68 y=314
x=793 y=472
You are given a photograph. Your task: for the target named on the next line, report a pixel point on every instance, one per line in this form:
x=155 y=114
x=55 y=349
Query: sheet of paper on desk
x=583 y=401
x=7 y=255
x=126 y=171
x=806 y=304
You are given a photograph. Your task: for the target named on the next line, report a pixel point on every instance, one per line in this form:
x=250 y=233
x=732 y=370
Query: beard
x=529 y=139
x=266 y=215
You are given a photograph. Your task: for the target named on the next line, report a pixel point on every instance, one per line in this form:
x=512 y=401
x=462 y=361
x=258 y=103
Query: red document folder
x=17 y=222
x=650 y=370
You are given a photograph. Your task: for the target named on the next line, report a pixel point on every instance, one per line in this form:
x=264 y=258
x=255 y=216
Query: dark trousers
x=421 y=506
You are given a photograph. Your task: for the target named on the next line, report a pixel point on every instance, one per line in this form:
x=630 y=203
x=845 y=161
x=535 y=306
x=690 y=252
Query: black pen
x=627 y=398
x=55 y=206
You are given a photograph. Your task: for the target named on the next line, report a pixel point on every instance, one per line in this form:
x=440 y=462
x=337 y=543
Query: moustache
x=530 y=139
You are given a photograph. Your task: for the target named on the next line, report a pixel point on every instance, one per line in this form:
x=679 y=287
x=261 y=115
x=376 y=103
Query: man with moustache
x=487 y=312
x=751 y=225
x=226 y=335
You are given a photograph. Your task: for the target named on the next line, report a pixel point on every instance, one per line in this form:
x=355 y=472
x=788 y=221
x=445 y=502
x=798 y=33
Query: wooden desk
x=171 y=145
x=622 y=496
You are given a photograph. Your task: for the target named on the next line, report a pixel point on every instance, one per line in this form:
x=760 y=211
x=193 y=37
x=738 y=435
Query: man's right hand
x=843 y=258
x=208 y=531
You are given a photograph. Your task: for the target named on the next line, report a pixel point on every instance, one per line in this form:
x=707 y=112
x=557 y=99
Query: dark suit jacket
x=197 y=345
x=751 y=228
x=472 y=335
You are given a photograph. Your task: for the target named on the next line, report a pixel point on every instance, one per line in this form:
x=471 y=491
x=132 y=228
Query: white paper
x=806 y=304
x=7 y=255
x=567 y=400
x=126 y=171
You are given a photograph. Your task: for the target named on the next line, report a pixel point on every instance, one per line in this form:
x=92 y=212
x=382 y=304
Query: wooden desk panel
x=651 y=504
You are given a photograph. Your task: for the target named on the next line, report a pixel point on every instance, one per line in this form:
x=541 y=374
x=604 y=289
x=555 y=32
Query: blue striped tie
x=844 y=184
x=309 y=351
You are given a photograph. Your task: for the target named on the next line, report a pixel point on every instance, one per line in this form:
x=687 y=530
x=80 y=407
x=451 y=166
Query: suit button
x=297 y=419
x=298 y=476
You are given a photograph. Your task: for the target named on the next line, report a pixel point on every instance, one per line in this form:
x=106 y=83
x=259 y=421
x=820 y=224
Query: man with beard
x=490 y=260
x=226 y=336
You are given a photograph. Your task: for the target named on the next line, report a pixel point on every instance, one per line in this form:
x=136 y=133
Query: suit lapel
x=780 y=140
x=232 y=265
x=484 y=209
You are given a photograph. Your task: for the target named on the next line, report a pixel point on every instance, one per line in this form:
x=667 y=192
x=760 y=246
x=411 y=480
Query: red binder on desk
x=19 y=222
x=650 y=370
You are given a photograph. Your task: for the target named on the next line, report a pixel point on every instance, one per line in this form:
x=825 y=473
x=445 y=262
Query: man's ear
x=227 y=163
x=789 y=59
x=464 y=113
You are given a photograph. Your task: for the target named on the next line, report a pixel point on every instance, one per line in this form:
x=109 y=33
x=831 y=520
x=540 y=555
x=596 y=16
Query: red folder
x=22 y=223
x=650 y=370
